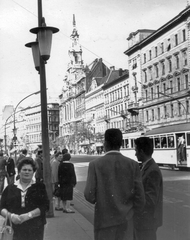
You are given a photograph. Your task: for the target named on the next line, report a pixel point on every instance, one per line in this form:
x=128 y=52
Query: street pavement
x=68 y=226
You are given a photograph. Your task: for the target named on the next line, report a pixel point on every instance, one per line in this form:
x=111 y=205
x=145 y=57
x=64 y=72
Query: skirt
x=66 y=192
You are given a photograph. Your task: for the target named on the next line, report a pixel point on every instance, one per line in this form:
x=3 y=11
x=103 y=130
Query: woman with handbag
x=26 y=203
x=67 y=181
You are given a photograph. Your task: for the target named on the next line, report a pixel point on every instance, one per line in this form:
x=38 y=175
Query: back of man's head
x=113 y=139
x=24 y=151
x=145 y=144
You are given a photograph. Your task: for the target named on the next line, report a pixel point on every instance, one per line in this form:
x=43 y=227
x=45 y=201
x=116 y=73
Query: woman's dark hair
x=64 y=151
x=66 y=157
x=145 y=144
x=27 y=161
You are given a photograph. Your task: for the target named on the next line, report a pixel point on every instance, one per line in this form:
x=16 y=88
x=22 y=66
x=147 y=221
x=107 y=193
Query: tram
x=171 y=145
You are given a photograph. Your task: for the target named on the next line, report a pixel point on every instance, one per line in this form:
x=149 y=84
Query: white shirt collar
x=18 y=184
x=114 y=151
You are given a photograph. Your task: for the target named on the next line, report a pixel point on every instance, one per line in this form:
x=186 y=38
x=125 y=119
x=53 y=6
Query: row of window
x=163 y=67
x=117 y=94
x=166 y=45
x=117 y=110
x=168 y=111
x=172 y=86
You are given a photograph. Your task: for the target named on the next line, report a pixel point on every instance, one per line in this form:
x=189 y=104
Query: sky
x=103 y=27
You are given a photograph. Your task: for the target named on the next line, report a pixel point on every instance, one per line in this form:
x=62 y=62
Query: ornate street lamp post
x=41 y=53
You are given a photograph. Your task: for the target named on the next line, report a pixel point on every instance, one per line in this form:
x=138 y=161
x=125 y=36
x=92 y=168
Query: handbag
x=57 y=191
x=6 y=232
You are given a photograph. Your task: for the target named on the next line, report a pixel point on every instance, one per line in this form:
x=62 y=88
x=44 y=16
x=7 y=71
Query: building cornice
x=160 y=31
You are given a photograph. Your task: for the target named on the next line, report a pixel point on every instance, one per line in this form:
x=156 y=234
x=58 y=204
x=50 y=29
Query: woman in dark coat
x=67 y=181
x=26 y=202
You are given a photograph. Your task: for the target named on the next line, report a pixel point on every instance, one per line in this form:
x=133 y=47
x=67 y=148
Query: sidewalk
x=68 y=226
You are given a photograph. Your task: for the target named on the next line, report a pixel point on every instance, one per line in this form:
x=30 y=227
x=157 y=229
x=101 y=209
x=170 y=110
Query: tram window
x=188 y=139
x=157 y=142
x=122 y=143
x=132 y=143
x=170 y=141
x=126 y=143
x=163 y=142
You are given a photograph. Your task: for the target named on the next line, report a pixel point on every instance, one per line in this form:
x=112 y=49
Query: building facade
x=159 y=72
x=116 y=96
x=33 y=134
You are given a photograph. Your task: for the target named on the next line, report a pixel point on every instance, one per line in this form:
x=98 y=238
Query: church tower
x=75 y=51
x=72 y=103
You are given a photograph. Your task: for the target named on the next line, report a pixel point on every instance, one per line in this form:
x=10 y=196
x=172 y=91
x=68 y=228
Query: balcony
x=107 y=118
x=135 y=89
x=124 y=114
x=133 y=108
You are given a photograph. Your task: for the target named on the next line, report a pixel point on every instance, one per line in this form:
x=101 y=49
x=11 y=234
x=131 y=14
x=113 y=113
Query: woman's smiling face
x=26 y=172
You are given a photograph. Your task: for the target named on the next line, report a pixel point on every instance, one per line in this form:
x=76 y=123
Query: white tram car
x=171 y=145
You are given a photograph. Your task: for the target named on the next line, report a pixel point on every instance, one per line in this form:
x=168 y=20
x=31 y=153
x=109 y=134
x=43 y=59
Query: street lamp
x=14 y=120
x=42 y=54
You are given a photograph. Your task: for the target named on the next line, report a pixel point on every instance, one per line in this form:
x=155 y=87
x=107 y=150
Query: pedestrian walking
x=39 y=164
x=21 y=156
x=3 y=172
x=114 y=185
x=67 y=181
x=26 y=202
x=10 y=170
x=148 y=221
x=54 y=178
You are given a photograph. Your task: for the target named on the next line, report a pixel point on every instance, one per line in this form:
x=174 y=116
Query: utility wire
x=62 y=33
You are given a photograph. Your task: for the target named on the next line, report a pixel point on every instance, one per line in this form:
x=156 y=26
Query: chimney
x=120 y=72
x=112 y=68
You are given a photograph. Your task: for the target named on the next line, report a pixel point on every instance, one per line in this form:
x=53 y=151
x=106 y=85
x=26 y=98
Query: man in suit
x=114 y=185
x=148 y=221
x=10 y=170
x=39 y=164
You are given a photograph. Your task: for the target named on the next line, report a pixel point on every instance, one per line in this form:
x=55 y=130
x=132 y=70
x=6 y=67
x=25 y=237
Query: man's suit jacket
x=152 y=214
x=114 y=185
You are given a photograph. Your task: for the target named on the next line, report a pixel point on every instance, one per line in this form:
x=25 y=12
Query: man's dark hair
x=39 y=152
x=145 y=144
x=64 y=151
x=113 y=138
x=24 y=151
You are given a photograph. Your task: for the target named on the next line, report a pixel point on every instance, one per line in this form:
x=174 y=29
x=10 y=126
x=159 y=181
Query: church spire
x=74 y=21
x=75 y=51
x=74 y=33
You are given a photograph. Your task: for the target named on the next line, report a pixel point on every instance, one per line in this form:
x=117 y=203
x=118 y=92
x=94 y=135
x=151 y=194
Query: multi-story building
x=96 y=76
x=159 y=72
x=94 y=96
x=72 y=98
x=33 y=134
x=116 y=95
